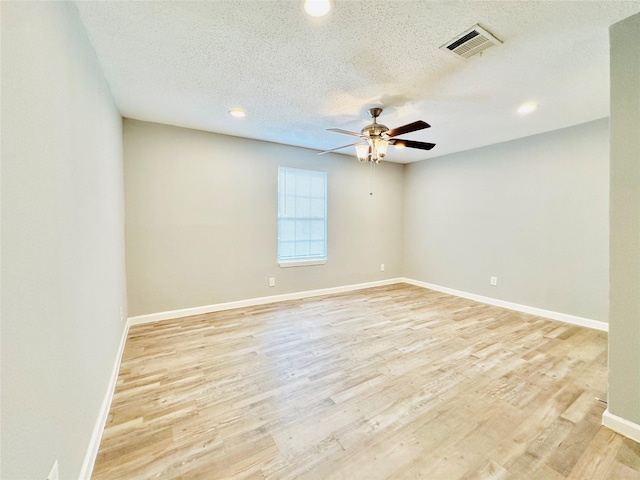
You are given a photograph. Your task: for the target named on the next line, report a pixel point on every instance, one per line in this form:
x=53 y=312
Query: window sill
x=301 y=263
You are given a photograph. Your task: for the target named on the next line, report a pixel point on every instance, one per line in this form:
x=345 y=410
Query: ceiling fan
x=376 y=137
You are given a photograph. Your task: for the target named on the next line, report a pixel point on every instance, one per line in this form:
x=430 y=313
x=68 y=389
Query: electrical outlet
x=494 y=281
x=53 y=474
x=382 y=267
x=272 y=281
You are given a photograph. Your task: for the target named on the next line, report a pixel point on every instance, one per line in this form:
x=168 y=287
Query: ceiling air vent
x=470 y=42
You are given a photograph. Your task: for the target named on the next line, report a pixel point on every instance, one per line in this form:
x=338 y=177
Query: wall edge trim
x=620 y=425
x=217 y=307
x=562 y=317
x=101 y=421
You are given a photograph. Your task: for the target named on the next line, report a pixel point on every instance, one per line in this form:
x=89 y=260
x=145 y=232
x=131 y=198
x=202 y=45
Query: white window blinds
x=302 y=216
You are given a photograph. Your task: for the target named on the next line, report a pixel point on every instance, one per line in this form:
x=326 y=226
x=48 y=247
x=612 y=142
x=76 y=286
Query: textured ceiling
x=188 y=63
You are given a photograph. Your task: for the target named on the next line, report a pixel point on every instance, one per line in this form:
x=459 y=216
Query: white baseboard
x=186 y=312
x=562 y=317
x=620 y=425
x=103 y=415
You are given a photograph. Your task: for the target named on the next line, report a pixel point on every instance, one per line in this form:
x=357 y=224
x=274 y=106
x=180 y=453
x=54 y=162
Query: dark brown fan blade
x=346 y=132
x=339 y=148
x=411 y=127
x=411 y=144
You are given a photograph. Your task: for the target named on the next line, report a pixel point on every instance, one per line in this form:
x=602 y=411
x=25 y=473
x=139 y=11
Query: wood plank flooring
x=395 y=382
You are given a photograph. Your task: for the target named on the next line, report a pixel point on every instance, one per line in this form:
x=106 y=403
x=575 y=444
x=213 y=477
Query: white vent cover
x=470 y=42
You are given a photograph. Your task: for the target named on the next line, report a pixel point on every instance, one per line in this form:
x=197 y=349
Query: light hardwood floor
x=394 y=382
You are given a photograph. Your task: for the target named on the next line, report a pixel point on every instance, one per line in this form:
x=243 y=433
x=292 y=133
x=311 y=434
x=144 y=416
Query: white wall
x=532 y=212
x=201 y=219
x=624 y=330
x=63 y=278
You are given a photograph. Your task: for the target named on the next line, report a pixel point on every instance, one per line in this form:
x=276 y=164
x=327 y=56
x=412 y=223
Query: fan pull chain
x=371 y=177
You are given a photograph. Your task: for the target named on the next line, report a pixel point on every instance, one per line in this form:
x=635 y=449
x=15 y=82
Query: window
x=302 y=217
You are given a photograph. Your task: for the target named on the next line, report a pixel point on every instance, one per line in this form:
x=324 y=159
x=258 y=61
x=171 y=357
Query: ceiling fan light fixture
x=362 y=151
x=381 y=148
x=376 y=138
x=317 y=8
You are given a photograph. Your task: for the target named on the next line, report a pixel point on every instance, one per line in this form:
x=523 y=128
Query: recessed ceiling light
x=527 y=108
x=237 y=112
x=317 y=8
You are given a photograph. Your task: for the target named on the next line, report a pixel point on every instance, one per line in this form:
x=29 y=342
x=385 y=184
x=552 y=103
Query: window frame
x=301 y=260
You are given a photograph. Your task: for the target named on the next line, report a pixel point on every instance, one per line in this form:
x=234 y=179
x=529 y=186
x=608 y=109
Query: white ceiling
x=187 y=63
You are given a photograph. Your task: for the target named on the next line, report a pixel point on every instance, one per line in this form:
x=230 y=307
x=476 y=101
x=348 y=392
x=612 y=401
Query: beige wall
x=624 y=329
x=532 y=212
x=63 y=279
x=201 y=219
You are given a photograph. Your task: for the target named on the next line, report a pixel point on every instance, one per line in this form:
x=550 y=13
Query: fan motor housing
x=374 y=130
